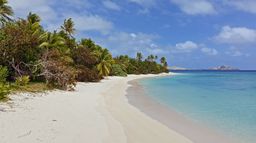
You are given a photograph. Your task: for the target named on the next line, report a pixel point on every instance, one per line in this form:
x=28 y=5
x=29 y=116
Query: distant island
x=219 y=68
x=224 y=67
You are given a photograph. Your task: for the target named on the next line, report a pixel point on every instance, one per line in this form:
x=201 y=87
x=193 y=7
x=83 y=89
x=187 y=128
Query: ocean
x=222 y=100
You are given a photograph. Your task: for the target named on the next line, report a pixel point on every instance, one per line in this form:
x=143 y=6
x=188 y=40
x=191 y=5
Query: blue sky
x=190 y=33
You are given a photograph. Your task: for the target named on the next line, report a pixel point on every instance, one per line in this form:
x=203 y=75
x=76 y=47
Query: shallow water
x=224 y=101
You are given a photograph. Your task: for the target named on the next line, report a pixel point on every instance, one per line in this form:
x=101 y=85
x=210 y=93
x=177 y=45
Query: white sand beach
x=93 y=113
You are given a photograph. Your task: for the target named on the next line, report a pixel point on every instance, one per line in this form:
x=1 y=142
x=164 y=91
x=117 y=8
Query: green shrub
x=3 y=74
x=117 y=70
x=87 y=75
x=22 y=80
x=4 y=91
x=4 y=87
x=58 y=71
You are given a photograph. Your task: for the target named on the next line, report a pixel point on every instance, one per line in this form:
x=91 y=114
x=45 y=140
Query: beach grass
x=32 y=87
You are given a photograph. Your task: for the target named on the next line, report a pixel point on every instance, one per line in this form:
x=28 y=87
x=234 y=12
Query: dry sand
x=94 y=113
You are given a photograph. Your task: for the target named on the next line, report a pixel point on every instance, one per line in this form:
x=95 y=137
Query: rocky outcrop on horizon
x=224 y=67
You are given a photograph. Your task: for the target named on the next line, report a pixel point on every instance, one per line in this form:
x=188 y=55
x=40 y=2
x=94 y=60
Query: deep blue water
x=224 y=101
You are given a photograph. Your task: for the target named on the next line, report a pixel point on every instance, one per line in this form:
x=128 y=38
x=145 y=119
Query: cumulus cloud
x=209 y=51
x=111 y=5
x=190 y=46
x=236 y=35
x=91 y=23
x=130 y=43
x=195 y=7
x=53 y=17
x=145 y=3
x=243 y=5
x=186 y=47
x=42 y=7
x=236 y=52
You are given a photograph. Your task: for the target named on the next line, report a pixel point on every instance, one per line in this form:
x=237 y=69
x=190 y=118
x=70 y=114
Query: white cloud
x=236 y=35
x=209 y=51
x=130 y=43
x=91 y=23
x=186 y=47
x=145 y=3
x=243 y=5
x=133 y=35
x=195 y=7
x=235 y=52
x=52 y=17
x=190 y=46
x=111 y=5
x=156 y=51
x=42 y=7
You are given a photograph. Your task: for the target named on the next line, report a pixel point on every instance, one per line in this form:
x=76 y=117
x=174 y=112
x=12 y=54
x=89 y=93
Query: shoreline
x=94 y=112
x=110 y=111
x=195 y=132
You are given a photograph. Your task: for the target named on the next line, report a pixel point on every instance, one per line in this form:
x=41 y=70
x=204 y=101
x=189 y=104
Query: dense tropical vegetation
x=30 y=54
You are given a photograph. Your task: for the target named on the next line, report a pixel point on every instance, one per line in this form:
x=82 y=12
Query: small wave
x=174 y=73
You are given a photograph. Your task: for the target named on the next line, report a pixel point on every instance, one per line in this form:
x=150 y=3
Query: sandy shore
x=94 y=113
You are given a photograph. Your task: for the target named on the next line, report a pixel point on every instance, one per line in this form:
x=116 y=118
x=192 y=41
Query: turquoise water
x=224 y=101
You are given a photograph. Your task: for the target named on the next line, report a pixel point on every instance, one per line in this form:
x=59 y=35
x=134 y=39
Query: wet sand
x=175 y=121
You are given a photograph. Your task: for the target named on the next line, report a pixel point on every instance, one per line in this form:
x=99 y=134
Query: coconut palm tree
x=151 y=58
x=34 y=23
x=68 y=27
x=5 y=12
x=33 y=18
x=156 y=57
x=105 y=63
x=163 y=60
x=88 y=43
x=53 y=40
x=139 y=57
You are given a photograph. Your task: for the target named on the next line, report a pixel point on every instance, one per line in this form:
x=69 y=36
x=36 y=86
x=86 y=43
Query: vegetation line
x=29 y=54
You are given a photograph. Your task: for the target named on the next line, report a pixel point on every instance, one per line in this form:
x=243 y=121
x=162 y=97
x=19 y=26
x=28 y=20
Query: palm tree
x=156 y=57
x=163 y=60
x=33 y=18
x=139 y=57
x=68 y=27
x=105 y=63
x=151 y=58
x=88 y=43
x=34 y=23
x=53 y=40
x=5 y=12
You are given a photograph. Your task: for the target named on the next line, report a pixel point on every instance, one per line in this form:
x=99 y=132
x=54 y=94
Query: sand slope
x=94 y=113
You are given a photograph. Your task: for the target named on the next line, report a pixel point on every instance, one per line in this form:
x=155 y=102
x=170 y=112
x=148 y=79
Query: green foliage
x=57 y=70
x=137 y=66
x=3 y=74
x=68 y=27
x=117 y=70
x=33 y=18
x=4 y=91
x=19 y=47
x=5 y=12
x=4 y=87
x=105 y=63
x=22 y=81
x=85 y=63
x=86 y=74
x=56 y=58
